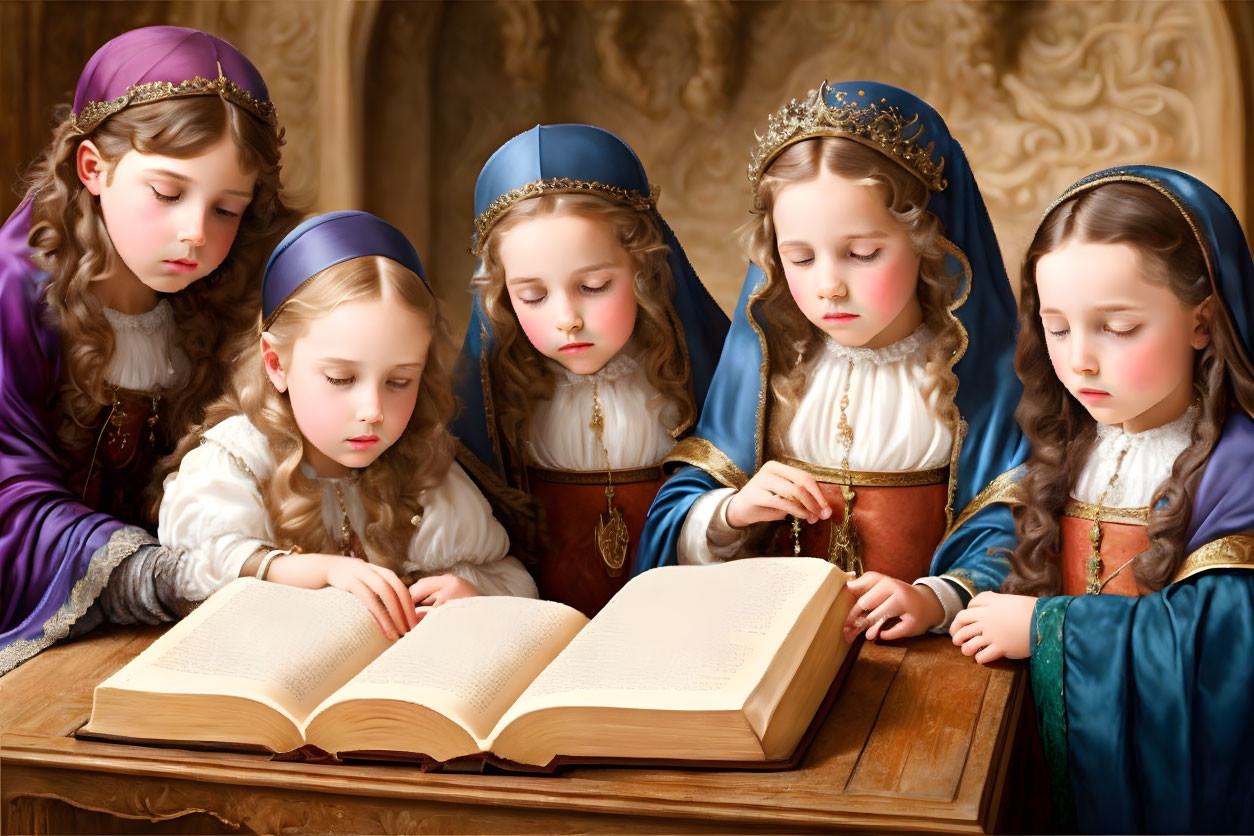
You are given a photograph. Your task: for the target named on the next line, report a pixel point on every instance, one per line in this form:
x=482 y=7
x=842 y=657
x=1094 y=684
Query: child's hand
x=437 y=589
x=378 y=588
x=995 y=625
x=773 y=493
x=881 y=599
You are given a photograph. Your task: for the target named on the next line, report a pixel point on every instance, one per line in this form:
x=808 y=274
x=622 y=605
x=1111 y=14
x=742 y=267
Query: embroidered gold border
x=959 y=429
x=122 y=544
x=764 y=370
x=871 y=478
x=626 y=476
x=557 y=185
x=1004 y=489
x=963 y=579
x=93 y=113
x=1105 y=513
x=1129 y=177
x=1236 y=551
x=701 y=453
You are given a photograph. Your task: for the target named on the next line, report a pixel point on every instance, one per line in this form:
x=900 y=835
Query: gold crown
x=93 y=113
x=556 y=185
x=881 y=126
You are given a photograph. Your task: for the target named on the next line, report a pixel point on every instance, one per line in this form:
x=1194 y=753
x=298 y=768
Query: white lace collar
x=1173 y=435
x=904 y=348
x=621 y=365
x=159 y=319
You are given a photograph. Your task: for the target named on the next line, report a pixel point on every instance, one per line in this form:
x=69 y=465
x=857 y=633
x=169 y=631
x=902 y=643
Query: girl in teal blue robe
x=1141 y=668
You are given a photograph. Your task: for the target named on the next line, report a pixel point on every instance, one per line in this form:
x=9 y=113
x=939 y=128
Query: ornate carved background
x=393 y=107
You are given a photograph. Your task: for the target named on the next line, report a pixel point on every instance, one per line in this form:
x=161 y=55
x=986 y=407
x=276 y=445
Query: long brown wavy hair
x=1061 y=431
x=906 y=198
x=71 y=243
x=392 y=486
x=520 y=378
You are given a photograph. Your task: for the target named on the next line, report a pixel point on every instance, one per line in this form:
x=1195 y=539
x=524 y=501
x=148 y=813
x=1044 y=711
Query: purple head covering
x=164 y=62
x=326 y=240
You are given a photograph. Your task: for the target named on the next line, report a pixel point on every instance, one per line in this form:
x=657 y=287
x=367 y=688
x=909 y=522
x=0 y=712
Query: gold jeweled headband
x=93 y=113
x=874 y=124
x=556 y=185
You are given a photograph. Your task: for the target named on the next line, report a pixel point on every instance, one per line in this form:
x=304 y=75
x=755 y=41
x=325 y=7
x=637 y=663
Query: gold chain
x=611 y=532
x=346 y=528
x=1093 y=584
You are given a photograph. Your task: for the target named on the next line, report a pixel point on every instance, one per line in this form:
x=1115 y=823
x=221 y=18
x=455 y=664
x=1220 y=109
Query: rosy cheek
x=535 y=323
x=614 y=317
x=139 y=229
x=886 y=290
x=1148 y=366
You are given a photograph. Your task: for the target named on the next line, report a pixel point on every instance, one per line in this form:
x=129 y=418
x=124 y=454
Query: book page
x=287 y=646
x=470 y=658
x=679 y=636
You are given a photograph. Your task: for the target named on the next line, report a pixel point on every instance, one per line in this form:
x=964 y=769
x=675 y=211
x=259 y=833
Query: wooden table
x=921 y=738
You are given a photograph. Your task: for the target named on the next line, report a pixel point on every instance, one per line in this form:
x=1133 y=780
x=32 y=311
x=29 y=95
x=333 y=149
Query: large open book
x=702 y=664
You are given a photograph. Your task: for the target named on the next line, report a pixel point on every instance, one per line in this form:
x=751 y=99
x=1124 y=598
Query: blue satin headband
x=324 y=241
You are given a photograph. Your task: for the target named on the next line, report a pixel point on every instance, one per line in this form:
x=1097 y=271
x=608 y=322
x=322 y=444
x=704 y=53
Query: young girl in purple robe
x=125 y=277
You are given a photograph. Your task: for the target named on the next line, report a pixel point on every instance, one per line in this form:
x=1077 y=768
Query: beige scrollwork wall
x=1038 y=93
x=393 y=107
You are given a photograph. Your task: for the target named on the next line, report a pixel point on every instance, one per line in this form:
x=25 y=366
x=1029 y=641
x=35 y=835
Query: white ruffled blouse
x=146 y=357
x=1146 y=464
x=895 y=429
x=213 y=514
x=636 y=430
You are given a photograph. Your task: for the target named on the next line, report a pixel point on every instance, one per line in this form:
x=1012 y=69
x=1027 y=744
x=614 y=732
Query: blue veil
x=551 y=159
x=728 y=444
x=1144 y=702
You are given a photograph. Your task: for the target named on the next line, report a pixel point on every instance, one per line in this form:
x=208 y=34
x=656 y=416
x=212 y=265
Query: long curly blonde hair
x=71 y=243
x=906 y=198
x=392 y=486
x=519 y=378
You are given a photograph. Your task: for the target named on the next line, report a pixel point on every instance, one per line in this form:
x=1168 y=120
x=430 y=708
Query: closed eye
x=594 y=289
x=399 y=385
x=1122 y=332
x=165 y=198
x=340 y=381
x=871 y=256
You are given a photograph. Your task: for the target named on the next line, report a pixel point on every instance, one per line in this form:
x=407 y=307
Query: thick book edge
x=429 y=764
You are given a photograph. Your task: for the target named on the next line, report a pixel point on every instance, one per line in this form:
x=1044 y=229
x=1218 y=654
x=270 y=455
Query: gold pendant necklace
x=611 y=530
x=844 y=549
x=1093 y=583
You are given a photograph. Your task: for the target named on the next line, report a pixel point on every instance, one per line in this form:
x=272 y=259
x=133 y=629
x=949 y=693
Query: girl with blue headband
x=127 y=276
x=863 y=402
x=1132 y=587
x=329 y=462
x=589 y=351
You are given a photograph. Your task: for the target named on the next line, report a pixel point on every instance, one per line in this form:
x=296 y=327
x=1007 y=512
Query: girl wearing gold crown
x=863 y=404
x=1132 y=589
x=125 y=276
x=590 y=349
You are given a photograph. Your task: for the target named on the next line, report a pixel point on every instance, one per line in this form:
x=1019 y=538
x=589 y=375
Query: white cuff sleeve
x=707 y=537
x=949 y=599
